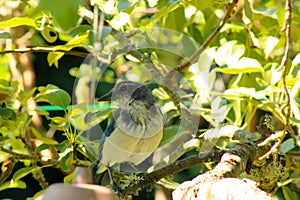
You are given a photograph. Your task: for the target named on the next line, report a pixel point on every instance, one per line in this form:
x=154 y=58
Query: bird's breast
x=133 y=142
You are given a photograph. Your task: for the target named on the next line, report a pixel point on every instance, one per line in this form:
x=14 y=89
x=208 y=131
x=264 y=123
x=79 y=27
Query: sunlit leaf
x=268 y=43
x=120 y=20
x=23 y=172
x=18 y=21
x=243 y=92
x=69 y=178
x=244 y=65
x=49 y=34
x=77 y=41
x=229 y=52
x=43 y=139
x=108 y=7
x=247 y=12
x=295 y=65
x=59 y=123
x=12 y=184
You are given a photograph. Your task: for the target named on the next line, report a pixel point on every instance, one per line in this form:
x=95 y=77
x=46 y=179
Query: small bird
x=135 y=130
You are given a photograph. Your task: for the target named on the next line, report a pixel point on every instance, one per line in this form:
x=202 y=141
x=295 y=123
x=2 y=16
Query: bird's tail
x=100 y=174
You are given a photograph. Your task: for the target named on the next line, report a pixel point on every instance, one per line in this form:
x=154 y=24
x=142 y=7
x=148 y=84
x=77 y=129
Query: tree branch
x=195 y=56
x=232 y=164
x=279 y=136
x=18 y=156
x=284 y=62
x=171 y=169
x=45 y=50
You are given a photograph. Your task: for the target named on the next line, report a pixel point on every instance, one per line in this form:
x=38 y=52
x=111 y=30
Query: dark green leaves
x=6 y=113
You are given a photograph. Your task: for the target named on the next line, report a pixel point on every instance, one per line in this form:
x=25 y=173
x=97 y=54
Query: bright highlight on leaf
x=54 y=95
x=18 y=21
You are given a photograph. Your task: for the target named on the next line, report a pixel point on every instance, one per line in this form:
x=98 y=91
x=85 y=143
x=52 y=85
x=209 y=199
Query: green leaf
x=6 y=113
x=59 y=123
x=12 y=184
x=169 y=134
x=90 y=146
x=18 y=21
x=175 y=20
x=120 y=20
x=244 y=65
x=41 y=148
x=288 y=145
x=64 y=13
x=63 y=145
x=23 y=172
x=268 y=43
x=212 y=21
x=78 y=41
x=53 y=95
x=69 y=178
x=247 y=12
x=169 y=183
x=49 y=34
x=229 y=53
x=39 y=136
x=200 y=5
x=123 y=4
x=295 y=65
x=66 y=161
x=24 y=96
x=242 y=92
x=5 y=35
x=6 y=88
x=288 y=193
x=163 y=11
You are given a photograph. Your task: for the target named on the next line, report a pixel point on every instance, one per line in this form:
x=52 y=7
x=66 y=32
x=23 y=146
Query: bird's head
x=126 y=93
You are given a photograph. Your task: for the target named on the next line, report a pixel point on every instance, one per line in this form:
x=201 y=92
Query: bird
x=135 y=130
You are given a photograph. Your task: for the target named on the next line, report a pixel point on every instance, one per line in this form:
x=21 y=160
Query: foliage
x=245 y=59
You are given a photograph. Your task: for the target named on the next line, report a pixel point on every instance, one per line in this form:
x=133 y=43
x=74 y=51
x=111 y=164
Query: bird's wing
x=112 y=125
x=108 y=131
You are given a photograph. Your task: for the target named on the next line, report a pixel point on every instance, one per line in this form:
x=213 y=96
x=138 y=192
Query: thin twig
x=18 y=156
x=195 y=56
x=45 y=50
x=284 y=62
x=279 y=136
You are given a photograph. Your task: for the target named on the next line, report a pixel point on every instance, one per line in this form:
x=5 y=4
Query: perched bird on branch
x=135 y=130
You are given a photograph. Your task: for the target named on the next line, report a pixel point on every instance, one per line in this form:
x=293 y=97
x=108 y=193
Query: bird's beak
x=106 y=97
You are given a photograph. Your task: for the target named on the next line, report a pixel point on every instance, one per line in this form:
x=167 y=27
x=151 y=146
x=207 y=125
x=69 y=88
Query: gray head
x=127 y=92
